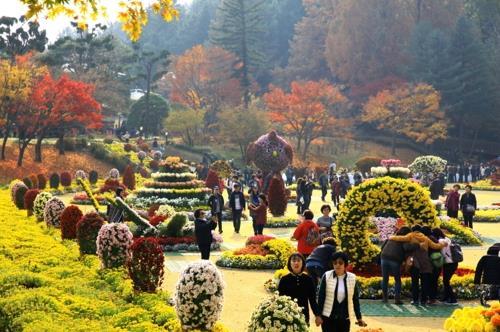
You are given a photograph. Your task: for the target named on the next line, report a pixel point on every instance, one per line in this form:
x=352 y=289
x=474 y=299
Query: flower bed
x=199 y=193
x=278 y=253
x=463 y=235
x=175 y=185
x=81 y=198
x=474 y=319
x=485 y=216
x=179 y=202
x=394 y=172
x=173 y=177
x=281 y=222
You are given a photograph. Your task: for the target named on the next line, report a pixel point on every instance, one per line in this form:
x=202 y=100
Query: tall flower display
x=29 y=200
x=428 y=165
x=52 y=212
x=87 y=230
x=113 y=243
x=278 y=313
x=39 y=204
x=69 y=218
x=408 y=199
x=199 y=296
x=145 y=266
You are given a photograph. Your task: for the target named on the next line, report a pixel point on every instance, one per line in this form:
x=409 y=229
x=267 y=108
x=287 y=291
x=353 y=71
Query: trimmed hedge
x=54 y=180
x=69 y=219
x=42 y=181
x=87 y=230
x=66 y=179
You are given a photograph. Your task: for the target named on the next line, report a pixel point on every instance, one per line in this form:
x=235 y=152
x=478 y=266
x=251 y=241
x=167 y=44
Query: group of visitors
x=467 y=204
x=467 y=172
x=335 y=303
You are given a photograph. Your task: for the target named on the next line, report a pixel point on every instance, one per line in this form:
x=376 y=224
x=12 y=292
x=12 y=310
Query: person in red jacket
x=260 y=213
x=307 y=234
x=452 y=201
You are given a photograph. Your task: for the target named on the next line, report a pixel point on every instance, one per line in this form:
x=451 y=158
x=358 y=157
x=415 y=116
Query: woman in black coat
x=299 y=286
x=468 y=205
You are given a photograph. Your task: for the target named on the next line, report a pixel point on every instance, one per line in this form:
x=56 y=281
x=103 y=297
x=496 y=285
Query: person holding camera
x=203 y=232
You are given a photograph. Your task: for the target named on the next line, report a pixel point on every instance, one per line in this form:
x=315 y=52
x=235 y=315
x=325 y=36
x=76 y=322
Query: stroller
x=488 y=275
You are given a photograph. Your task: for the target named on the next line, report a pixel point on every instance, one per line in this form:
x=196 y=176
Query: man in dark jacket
x=216 y=203
x=237 y=204
x=308 y=191
x=203 y=232
x=320 y=259
x=488 y=273
x=323 y=183
x=435 y=188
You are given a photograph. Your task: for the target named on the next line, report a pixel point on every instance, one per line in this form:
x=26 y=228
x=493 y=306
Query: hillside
x=52 y=162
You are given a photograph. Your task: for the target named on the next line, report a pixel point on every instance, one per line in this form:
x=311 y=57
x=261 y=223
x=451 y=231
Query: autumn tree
x=411 y=110
x=188 y=123
x=18 y=37
x=238 y=28
x=311 y=110
x=203 y=79
x=240 y=127
x=132 y=14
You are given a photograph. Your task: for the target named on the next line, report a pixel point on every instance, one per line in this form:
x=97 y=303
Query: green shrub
x=366 y=163
x=27 y=181
x=19 y=199
x=175 y=225
x=93 y=177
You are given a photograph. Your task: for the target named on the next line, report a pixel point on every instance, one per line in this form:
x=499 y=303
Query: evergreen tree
x=466 y=83
x=18 y=37
x=238 y=28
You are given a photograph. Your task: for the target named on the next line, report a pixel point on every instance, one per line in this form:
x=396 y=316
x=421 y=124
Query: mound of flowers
x=270 y=254
x=474 y=319
x=81 y=198
x=113 y=243
x=199 y=296
x=461 y=234
x=52 y=212
x=39 y=204
x=408 y=199
x=281 y=222
x=175 y=184
x=278 y=313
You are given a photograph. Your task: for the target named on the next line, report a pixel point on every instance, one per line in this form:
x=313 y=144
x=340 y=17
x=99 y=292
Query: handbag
x=470 y=208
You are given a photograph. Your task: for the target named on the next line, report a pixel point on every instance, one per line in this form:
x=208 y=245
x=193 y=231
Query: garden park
x=120 y=125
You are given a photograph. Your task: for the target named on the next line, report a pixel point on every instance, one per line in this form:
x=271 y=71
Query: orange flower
x=495 y=320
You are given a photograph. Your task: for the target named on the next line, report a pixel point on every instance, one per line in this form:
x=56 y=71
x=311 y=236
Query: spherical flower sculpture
x=39 y=204
x=52 y=212
x=13 y=187
x=29 y=200
x=114 y=173
x=278 y=313
x=80 y=174
x=199 y=296
x=19 y=192
x=113 y=243
x=270 y=153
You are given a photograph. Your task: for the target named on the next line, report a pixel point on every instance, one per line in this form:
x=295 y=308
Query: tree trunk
x=461 y=139
x=306 y=147
x=61 y=143
x=38 y=149
x=243 y=154
x=4 y=143
x=20 y=157
x=393 y=144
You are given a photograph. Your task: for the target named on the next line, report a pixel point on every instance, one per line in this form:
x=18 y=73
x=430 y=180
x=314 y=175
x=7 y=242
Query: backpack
x=437 y=260
x=313 y=237
x=457 y=255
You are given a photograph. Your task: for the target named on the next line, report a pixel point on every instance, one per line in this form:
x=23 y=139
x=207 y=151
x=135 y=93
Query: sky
x=55 y=27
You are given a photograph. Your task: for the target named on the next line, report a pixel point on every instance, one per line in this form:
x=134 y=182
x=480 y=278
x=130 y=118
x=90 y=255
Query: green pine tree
x=238 y=28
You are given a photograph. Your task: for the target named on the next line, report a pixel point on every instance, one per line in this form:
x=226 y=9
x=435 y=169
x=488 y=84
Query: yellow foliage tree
x=132 y=15
x=410 y=110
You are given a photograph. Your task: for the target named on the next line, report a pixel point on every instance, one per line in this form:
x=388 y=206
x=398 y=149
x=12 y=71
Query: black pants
x=205 y=250
x=306 y=204
x=316 y=272
x=448 y=271
x=335 y=199
x=335 y=325
x=219 y=220
x=420 y=285
x=468 y=217
x=452 y=213
x=237 y=220
x=433 y=292
x=324 y=191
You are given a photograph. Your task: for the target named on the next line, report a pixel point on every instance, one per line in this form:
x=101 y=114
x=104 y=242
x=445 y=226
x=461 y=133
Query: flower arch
x=410 y=200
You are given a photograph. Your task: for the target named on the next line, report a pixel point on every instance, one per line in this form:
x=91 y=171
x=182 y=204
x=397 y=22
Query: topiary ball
x=52 y=212
x=42 y=181
x=114 y=173
x=93 y=177
x=145 y=266
x=157 y=155
x=66 y=179
x=13 y=187
x=80 y=174
x=154 y=165
x=34 y=180
x=129 y=177
x=199 y=296
x=175 y=225
x=270 y=153
x=19 y=196
x=27 y=181
x=39 y=204
x=29 y=200
x=113 y=243
x=54 y=181
x=280 y=310
x=87 y=230
x=69 y=218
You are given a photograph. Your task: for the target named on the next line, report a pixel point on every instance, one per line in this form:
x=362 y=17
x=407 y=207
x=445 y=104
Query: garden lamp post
x=166 y=138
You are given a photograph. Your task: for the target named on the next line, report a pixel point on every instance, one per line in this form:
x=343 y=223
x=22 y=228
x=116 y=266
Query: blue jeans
x=391 y=268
